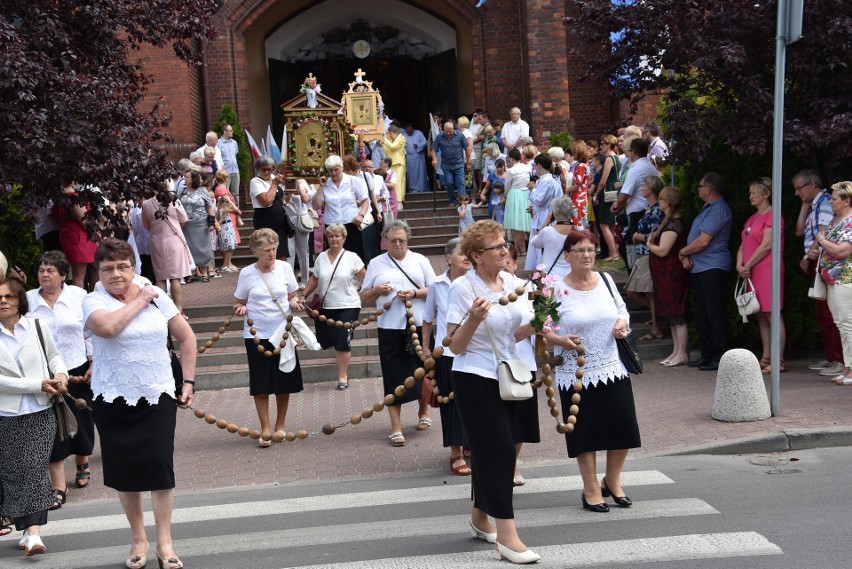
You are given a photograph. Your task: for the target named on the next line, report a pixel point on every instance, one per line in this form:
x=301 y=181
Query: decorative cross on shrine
x=359 y=76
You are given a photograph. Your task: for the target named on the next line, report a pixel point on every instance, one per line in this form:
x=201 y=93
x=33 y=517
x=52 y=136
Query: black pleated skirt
x=137 y=443
x=264 y=376
x=397 y=364
x=493 y=427
x=84 y=441
x=607 y=418
x=451 y=423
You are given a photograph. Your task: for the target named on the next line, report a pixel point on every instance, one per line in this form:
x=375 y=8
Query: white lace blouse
x=592 y=315
x=479 y=356
x=134 y=364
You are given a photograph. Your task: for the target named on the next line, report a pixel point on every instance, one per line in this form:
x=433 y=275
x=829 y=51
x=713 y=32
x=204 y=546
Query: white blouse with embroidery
x=592 y=315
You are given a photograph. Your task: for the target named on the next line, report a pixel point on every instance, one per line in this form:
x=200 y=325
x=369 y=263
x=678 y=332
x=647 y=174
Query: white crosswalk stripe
x=325 y=542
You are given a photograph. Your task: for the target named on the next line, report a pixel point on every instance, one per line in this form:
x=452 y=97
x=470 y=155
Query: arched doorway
x=420 y=55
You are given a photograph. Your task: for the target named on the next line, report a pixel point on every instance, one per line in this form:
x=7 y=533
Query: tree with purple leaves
x=715 y=63
x=71 y=91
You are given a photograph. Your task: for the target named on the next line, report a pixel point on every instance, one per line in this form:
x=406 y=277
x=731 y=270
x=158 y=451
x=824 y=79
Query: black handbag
x=628 y=350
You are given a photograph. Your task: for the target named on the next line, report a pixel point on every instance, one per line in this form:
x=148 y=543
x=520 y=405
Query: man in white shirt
x=228 y=148
x=514 y=129
x=212 y=142
x=630 y=199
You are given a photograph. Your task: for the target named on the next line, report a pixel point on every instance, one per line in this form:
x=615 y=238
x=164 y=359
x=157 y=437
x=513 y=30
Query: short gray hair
x=195 y=155
x=396 y=226
x=263 y=162
x=562 y=208
x=452 y=245
x=333 y=161
x=556 y=153
x=184 y=165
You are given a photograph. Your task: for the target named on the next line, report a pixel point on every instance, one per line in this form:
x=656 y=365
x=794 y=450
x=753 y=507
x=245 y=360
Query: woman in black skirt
x=27 y=422
x=267 y=199
x=435 y=311
x=266 y=293
x=398 y=277
x=335 y=278
x=59 y=306
x=493 y=426
x=595 y=316
x=134 y=393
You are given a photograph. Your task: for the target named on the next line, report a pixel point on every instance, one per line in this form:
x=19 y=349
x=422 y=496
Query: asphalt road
x=752 y=511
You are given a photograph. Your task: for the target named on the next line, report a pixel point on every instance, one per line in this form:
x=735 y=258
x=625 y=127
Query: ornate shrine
x=313 y=128
x=364 y=108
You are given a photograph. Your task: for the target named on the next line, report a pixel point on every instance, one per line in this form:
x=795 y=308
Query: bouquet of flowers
x=310 y=87
x=545 y=302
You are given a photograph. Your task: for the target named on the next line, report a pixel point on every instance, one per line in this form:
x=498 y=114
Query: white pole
x=777 y=156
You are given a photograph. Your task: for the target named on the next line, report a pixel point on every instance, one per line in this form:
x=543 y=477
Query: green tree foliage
x=561 y=139
x=17 y=239
x=228 y=116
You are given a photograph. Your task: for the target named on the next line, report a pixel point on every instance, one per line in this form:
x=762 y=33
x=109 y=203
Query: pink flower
x=563 y=292
x=535 y=276
x=547 y=292
x=540 y=267
x=549 y=279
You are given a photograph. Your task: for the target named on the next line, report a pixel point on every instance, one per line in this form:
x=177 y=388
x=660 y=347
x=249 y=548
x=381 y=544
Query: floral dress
x=580 y=197
x=836 y=271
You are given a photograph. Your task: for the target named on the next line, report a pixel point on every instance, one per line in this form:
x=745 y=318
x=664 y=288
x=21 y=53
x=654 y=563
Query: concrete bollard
x=740 y=393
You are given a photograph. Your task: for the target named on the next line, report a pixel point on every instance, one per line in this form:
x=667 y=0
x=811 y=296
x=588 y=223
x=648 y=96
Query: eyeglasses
x=269 y=169
x=10 y=298
x=122 y=268
x=805 y=185
x=503 y=245
x=398 y=241
x=589 y=251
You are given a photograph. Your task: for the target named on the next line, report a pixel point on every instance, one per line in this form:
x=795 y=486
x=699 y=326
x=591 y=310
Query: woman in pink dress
x=169 y=253
x=755 y=262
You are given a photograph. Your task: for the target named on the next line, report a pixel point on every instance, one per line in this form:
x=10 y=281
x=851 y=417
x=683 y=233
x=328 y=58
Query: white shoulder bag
x=514 y=376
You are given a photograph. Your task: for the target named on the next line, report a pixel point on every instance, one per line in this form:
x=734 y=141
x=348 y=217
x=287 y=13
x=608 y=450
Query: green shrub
x=17 y=237
x=561 y=139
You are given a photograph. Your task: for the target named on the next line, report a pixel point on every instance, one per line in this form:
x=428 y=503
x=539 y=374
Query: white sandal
x=396 y=439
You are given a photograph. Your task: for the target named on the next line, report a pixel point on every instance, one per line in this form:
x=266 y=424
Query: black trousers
x=711 y=303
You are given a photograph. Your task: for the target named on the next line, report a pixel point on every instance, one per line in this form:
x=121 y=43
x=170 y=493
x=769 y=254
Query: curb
x=781 y=441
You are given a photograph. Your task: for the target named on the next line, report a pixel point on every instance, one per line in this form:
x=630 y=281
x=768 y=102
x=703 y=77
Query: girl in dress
x=227 y=232
x=465 y=210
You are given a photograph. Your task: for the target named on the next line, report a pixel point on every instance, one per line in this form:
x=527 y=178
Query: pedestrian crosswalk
x=420 y=522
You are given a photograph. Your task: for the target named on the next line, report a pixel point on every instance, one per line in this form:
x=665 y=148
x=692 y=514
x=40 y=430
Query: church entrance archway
x=420 y=55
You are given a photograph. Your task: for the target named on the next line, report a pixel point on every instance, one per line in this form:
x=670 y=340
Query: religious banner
x=364 y=109
x=314 y=128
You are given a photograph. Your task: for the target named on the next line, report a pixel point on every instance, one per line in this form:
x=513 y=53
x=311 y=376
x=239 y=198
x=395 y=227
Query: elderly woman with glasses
x=267 y=199
x=135 y=402
x=397 y=277
x=592 y=313
x=28 y=359
x=478 y=325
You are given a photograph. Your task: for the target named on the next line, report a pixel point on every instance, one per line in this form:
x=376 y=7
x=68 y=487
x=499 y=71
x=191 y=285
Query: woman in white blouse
x=345 y=200
x=297 y=205
x=397 y=277
x=493 y=426
x=517 y=218
x=266 y=293
x=551 y=239
x=134 y=393
x=595 y=314
x=335 y=278
x=435 y=312
x=27 y=422
x=59 y=306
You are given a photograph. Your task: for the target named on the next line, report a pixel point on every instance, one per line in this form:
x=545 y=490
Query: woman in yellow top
x=394 y=147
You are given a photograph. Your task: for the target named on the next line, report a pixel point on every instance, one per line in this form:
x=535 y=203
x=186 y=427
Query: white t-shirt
x=261 y=308
x=551 y=242
x=479 y=356
x=341 y=202
x=134 y=364
x=65 y=321
x=257 y=186
x=382 y=270
x=435 y=308
x=344 y=290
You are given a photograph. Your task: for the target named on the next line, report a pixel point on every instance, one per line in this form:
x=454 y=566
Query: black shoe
x=598 y=508
x=710 y=366
x=699 y=362
x=622 y=501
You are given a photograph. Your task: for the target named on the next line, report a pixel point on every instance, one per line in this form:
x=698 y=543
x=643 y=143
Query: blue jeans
x=453 y=180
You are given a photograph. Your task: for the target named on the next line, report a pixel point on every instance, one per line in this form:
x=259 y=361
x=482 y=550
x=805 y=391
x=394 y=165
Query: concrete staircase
x=432 y=224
